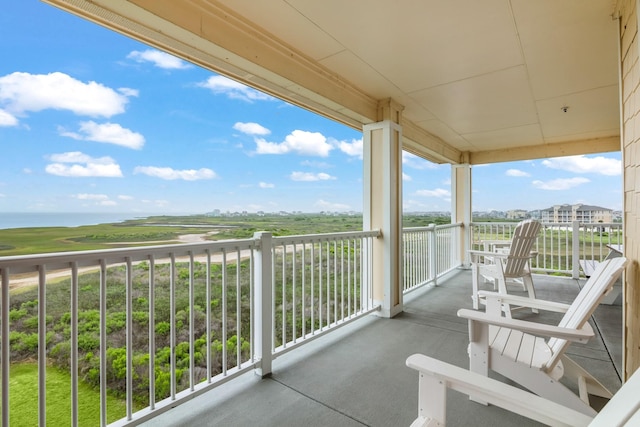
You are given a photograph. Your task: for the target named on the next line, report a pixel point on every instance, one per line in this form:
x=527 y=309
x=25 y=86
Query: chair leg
x=528 y=283
x=541 y=384
x=502 y=288
x=432 y=402
x=578 y=374
x=478 y=352
x=474 y=283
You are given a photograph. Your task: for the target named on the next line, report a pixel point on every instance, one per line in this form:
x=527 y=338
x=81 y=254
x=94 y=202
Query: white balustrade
x=429 y=253
x=170 y=322
x=197 y=315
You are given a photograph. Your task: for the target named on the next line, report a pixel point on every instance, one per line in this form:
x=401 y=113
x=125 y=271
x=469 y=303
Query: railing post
x=4 y=339
x=575 y=250
x=263 y=303
x=433 y=253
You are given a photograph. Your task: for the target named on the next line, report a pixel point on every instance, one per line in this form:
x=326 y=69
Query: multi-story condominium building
x=517 y=214
x=578 y=212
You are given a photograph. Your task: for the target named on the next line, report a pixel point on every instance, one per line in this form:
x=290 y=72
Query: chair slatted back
x=524 y=237
x=586 y=303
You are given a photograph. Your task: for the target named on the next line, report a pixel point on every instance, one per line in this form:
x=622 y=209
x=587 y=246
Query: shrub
x=116 y=321
x=88 y=321
x=23 y=345
x=163 y=328
x=183 y=274
x=117 y=361
x=88 y=342
x=29 y=304
x=61 y=354
x=15 y=314
x=141 y=317
x=30 y=322
x=142 y=302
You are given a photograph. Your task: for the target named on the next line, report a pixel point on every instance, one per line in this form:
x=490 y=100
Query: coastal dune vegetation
x=230 y=298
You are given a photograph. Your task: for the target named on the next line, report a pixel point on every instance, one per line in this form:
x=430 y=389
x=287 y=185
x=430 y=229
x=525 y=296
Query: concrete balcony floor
x=356 y=376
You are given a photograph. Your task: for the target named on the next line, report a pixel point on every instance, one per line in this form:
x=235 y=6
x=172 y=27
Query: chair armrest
x=541 y=304
x=486 y=253
x=581 y=335
x=494 y=392
x=475 y=255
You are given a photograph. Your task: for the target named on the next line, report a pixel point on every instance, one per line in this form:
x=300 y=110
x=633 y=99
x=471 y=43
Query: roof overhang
x=220 y=36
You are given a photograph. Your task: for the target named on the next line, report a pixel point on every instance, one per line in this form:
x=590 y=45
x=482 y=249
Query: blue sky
x=91 y=121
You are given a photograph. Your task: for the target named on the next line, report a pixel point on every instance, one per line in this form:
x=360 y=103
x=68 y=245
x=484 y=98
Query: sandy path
x=31 y=279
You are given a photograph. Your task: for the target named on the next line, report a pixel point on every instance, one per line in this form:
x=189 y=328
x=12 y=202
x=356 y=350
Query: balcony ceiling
x=478 y=81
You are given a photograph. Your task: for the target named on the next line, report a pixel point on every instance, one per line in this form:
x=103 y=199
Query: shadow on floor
x=356 y=376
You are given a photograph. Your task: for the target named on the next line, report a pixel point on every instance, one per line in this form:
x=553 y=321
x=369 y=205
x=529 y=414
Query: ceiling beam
x=428 y=146
x=543 y=151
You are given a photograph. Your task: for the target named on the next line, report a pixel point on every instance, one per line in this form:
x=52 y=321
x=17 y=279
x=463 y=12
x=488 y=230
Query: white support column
x=382 y=209
x=461 y=210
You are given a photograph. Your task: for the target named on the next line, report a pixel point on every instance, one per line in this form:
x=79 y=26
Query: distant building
x=517 y=214
x=579 y=212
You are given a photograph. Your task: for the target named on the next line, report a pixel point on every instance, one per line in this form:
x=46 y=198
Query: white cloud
x=172 y=174
x=88 y=196
x=266 y=185
x=438 y=192
x=126 y=91
x=353 y=148
x=405 y=177
x=298 y=141
x=316 y=164
x=409 y=205
x=581 y=164
x=159 y=59
x=23 y=92
x=125 y=197
x=560 y=184
x=110 y=133
x=328 y=206
x=98 y=199
x=309 y=176
x=7 y=119
x=516 y=173
x=233 y=89
x=251 y=128
x=159 y=203
x=76 y=164
x=72 y=157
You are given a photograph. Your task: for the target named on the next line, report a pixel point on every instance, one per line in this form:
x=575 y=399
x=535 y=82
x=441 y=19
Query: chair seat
x=520 y=347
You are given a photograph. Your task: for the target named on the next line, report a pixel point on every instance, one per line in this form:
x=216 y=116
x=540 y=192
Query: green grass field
x=166 y=229
x=24 y=399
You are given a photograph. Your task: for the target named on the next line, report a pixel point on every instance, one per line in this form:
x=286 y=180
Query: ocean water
x=59 y=219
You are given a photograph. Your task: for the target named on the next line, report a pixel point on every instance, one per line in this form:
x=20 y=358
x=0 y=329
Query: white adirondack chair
x=436 y=376
x=507 y=265
x=514 y=348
